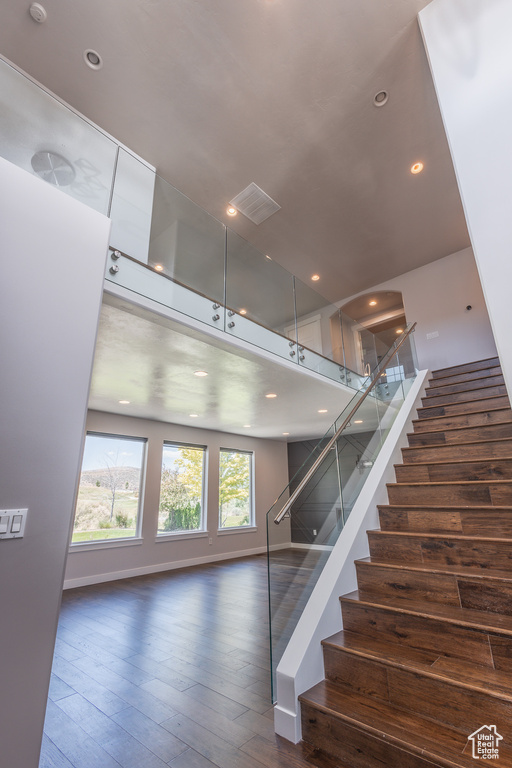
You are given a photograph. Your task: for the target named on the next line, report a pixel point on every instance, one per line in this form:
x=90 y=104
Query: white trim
x=87 y=546
x=168 y=536
x=320 y=547
x=238 y=529
x=101 y=578
x=302 y=664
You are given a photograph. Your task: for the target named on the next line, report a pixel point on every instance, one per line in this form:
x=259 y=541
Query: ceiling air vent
x=254 y=203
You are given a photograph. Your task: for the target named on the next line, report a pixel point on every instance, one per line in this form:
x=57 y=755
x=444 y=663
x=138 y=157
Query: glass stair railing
x=168 y=249
x=308 y=517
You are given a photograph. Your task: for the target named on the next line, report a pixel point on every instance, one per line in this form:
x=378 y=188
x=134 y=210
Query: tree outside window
x=181 y=489
x=108 y=501
x=235 y=489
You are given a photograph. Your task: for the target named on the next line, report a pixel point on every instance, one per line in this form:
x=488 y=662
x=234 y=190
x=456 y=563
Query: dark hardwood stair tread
x=474 y=574
x=443 y=536
x=491 y=481
x=436 y=419
x=433 y=394
x=477 y=365
x=493 y=623
x=459 y=429
x=434 y=462
x=456 y=672
x=456 y=445
x=412 y=733
x=482 y=373
x=472 y=403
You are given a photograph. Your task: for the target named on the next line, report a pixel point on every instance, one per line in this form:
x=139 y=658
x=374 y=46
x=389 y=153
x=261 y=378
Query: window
x=181 y=489
x=108 y=501
x=235 y=489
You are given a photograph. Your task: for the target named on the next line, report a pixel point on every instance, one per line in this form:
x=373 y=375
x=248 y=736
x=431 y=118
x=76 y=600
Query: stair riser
x=493 y=469
x=491 y=493
x=456 y=408
x=466 y=368
x=465 y=386
x=438 y=699
x=494 y=449
x=430 y=634
x=353 y=746
x=465 y=435
x=492 y=595
x=483 y=553
x=462 y=420
x=459 y=378
x=484 y=521
x=460 y=397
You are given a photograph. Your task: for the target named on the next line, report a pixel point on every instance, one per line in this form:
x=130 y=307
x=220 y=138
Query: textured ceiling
x=220 y=94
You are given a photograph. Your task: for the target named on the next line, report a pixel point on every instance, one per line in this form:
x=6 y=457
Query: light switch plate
x=12 y=523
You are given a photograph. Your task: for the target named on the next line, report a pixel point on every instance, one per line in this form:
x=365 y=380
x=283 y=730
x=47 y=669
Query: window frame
x=251 y=525
x=122 y=540
x=193 y=533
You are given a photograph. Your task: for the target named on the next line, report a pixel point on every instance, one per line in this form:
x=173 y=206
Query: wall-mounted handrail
x=309 y=474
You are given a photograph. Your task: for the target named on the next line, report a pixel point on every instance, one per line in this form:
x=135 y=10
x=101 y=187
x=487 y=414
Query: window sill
x=239 y=529
x=182 y=535
x=88 y=546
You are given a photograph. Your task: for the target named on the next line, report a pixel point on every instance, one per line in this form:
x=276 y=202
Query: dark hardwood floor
x=170 y=669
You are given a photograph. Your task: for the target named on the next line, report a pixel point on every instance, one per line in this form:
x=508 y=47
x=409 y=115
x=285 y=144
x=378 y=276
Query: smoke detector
x=254 y=203
x=38 y=13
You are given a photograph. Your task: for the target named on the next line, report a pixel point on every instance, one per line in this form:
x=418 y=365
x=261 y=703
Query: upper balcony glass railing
x=172 y=251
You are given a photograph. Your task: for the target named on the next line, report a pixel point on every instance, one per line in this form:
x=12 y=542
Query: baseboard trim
x=100 y=578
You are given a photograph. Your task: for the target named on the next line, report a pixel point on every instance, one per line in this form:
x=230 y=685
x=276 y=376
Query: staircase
x=425 y=656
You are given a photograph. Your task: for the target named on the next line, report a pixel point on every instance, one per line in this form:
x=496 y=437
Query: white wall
x=435 y=296
x=53 y=259
x=150 y=555
x=468 y=45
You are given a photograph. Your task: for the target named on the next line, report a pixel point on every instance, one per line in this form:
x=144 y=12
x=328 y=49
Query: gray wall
x=103 y=562
x=53 y=258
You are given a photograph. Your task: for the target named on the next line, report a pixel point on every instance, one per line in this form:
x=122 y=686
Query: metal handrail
x=309 y=474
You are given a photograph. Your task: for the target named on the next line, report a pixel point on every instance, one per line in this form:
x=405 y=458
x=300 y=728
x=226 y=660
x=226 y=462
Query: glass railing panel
x=187 y=245
x=131 y=209
x=47 y=139
x=259 y=299
x=359 y=346
x=325 y=488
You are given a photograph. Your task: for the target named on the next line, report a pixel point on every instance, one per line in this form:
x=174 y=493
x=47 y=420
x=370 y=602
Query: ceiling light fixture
x=231 y=210
x=193 y=415
x=247 y=426
x=399 y=330
x=373 y=303
x=271 y=395
x=358 y=421
x=380 y=98
x=124 y=402
x=286 y=433
x=322 y=410
x=417 y=168
x=159 y=267
x=200 y=373
x=243 y=311
x=93 y=59
x=315 y=277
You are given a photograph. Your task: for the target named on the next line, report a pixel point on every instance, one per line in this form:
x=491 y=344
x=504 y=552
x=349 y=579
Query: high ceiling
x=220 y=94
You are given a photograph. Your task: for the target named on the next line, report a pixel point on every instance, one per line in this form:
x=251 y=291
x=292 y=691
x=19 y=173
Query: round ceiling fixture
x=231 y=211
x=417 y=168
x=372 y=303
x=380 y=98
x=93 y=59
x=53 y=168
x=315 y=277
x=38 y=13
x=159 y=267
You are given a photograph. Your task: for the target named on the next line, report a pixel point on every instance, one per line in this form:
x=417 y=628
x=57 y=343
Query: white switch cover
x=12 y=523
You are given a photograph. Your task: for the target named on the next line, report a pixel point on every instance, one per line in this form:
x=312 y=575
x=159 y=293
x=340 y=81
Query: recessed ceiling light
x=286 y=433
x=315 y=277
x=200 y=373
x=380 y=98
x=358 y=421
x=159 y=267
x=243 y=311
x=271 y=395
x=399 y=330
x=193 y=415
x=247 y=426
x=93 y=59
x=268 y=257
x=231 y=211
x=124 y=402
x=322 y=410
x=373 y=303
x=417 y=168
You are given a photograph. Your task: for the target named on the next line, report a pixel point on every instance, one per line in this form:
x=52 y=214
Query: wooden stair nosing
x=404 y=658
x=463 y=365
x=444 y=536
x=485 y=383
x=469 y=572
x=474 y=403
x=481 y=373
x=430 y=401
x=455 y=445
x=451 y=430
x=435 y=419
x=437 y=751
